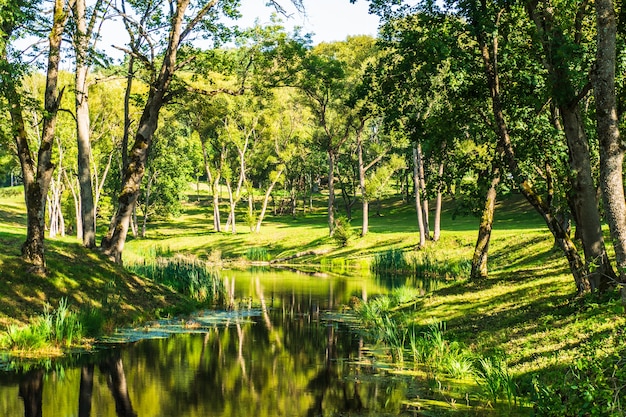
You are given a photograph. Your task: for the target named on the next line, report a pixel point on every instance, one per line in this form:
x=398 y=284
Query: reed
x=421 y=265
x=65 y=324
x=60 y=327
x=495 y=379
x=188 y=276
x=391 y=262
x=258 y=254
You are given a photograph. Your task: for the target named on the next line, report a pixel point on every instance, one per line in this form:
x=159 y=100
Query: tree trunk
x=481 y=250
x=364 y=195
x=231 y=216
x=81 y=45
x=265 y=200
x=113 y=243
x=215 y=186
x=331 y=191
x=76 y=199
x=147 y=203
x=577 y=267
x=583 y=195
x=611 y=150
x=438 y=204
x=37 y=175
x=422 y=186
x=418 y=200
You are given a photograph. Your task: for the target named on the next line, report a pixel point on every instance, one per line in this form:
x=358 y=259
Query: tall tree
x=180 y=19
x=83 y=34
x=583 y=191
x=37 y=173
x=611 y=148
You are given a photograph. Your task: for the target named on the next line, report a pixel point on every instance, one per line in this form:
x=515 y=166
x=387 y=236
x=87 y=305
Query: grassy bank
x=83 y=279
x=555 y=345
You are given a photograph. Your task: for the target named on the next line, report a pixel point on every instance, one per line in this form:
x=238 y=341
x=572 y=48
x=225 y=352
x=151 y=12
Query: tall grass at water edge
x=60 y=327
x=419 y=265
x=429 y=349
x=188 y=276
x=258 y=254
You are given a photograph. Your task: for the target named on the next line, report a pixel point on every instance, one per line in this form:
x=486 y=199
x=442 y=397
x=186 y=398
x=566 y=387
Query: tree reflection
x=284 y=358
x=86 y=390
x=31 y=391
x=116 y=381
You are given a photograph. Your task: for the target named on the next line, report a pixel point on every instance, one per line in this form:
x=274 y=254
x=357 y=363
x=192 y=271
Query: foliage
x=343 y=232
x=591 y=386
x=392 y=261
x=496 y=379
x=257 y=254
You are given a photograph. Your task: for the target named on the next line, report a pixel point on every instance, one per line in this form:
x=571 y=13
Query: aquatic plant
x=58 y=327
x=257 y=254
x=393 y=336
x=188 y=276
x=495 y=379
x=66 y=327
x=391 y=262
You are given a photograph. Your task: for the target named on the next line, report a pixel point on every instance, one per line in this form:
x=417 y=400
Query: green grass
x=527 y=307
x=188 y=276
x=104 y=295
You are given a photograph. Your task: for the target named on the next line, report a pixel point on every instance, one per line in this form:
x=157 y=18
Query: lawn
x=527 y=308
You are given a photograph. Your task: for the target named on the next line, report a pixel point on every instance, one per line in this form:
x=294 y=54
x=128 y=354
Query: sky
x=327 y=20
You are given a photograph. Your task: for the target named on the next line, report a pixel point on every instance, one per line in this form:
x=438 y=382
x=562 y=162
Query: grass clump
x=58 y=328
x=257 y=254
x=391 y=262
x=495 y=379
x=191 y=277
x=422 y=265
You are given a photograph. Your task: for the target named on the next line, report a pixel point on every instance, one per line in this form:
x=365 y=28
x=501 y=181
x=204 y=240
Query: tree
x=181 y=19
x=583 y=193
x=83 y=33
x=611 y=149
x=37 y=173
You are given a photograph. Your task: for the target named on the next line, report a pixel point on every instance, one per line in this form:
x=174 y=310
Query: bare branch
x=190 y=26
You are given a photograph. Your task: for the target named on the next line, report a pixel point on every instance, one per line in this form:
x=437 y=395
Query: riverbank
x=527 y=310
x=84 y=280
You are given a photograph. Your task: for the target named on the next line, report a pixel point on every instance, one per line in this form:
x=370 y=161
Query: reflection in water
x=113 y=368
x=86 y=390
x=31 y=391
x=283 y=359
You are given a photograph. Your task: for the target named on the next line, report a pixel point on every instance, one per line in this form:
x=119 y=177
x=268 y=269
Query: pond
x=284 y=349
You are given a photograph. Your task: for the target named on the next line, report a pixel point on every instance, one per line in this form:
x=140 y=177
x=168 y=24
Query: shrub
x=343 y=231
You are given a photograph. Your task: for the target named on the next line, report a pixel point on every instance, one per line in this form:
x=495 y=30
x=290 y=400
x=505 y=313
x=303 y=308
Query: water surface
x=283 y=349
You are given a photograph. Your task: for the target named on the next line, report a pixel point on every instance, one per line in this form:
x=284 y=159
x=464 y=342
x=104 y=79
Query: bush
x=343 y=231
